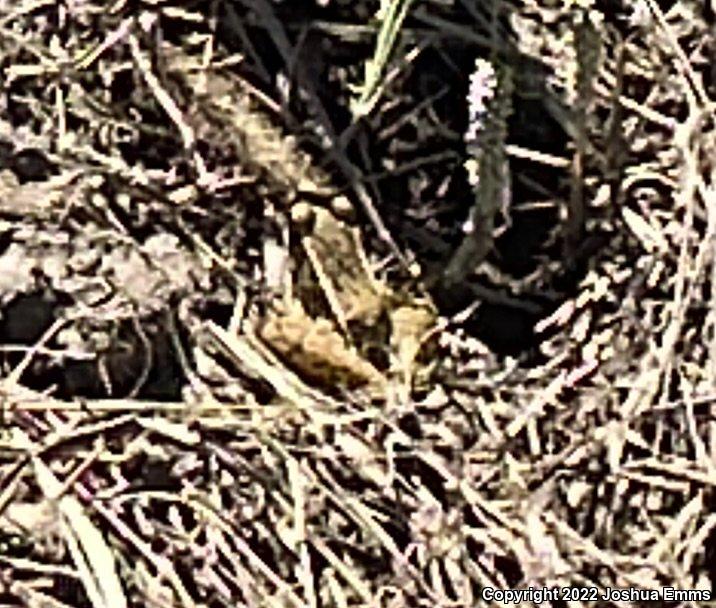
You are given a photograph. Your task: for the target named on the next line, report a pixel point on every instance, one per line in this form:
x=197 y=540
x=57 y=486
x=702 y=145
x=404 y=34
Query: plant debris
x=337 y=304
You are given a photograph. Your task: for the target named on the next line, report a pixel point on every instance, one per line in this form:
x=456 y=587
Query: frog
x=344 y=328
x=336 y=324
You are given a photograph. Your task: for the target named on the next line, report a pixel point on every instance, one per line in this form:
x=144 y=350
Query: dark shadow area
x=425 y=198
x=27 y=318
x=127 y=363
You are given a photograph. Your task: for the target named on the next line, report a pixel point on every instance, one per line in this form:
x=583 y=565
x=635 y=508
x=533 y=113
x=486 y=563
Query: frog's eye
x=343 y=208
x=302 y=214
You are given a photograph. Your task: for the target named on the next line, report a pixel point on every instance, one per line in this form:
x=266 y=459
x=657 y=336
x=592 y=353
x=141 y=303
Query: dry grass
x=154 y=453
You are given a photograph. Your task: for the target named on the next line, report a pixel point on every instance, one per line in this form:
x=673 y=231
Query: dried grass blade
x=92 y=556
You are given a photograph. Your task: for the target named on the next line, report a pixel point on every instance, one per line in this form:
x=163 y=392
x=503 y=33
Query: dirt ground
x=357 y=303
